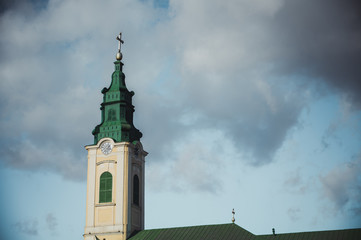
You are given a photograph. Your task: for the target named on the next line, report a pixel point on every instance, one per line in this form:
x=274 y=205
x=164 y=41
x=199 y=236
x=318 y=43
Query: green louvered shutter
x=105 y=187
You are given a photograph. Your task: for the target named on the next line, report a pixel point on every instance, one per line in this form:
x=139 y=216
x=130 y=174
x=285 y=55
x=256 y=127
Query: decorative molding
x=104 y=204
x=106 y=161
x=103 y=233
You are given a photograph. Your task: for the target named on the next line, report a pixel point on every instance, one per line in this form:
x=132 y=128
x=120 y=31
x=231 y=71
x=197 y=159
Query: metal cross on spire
x=119 y=54
x=119 y=38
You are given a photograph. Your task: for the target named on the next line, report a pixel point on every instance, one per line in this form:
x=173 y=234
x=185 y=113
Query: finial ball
x=119 y=56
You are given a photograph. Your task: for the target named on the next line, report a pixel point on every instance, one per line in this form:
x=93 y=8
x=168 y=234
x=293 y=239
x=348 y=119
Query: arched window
x=105 y=187
x=136 y=190
x=111 y=115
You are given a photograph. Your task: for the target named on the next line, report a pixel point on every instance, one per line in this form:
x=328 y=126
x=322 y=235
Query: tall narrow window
x=105 y=187
x=136 y=190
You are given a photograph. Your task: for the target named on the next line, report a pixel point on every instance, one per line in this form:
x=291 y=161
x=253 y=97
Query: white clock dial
x=106 y=147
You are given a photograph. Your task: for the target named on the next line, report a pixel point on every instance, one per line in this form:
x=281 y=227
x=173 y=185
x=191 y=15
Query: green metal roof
x=117 y=111
x=207 y=232
x=347 y=234
x=235 y=232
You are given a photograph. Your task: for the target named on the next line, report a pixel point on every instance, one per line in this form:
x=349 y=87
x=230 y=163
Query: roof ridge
x=220 y=224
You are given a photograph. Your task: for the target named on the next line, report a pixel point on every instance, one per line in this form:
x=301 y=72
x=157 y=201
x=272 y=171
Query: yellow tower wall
x=120 y=217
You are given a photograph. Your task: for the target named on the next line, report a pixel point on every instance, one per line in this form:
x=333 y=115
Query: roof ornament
x=233 y=219
x=119 y=55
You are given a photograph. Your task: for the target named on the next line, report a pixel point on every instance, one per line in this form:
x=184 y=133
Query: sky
x=251 y=105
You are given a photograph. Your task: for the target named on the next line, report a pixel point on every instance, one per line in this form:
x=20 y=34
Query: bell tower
x=115 y=177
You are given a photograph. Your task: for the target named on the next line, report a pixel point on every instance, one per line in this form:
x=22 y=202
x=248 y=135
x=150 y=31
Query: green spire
x=117 y=109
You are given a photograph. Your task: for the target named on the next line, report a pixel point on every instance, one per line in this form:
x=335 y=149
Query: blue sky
x=251 y=105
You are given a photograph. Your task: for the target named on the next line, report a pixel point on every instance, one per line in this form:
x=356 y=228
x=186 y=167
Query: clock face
x=106 y=147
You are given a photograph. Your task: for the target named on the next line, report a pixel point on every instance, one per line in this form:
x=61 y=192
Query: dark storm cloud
x=322 y=39
x=7 y=5
x=235 y=75
x=253 y=70
x=226 y=78
x=25 y=6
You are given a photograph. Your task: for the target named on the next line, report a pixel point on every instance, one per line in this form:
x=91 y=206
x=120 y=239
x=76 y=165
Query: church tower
x=115 y=182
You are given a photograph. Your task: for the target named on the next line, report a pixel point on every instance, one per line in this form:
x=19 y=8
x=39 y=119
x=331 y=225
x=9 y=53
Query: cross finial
x=119 y=54
x=233 y=219
x=119 y=38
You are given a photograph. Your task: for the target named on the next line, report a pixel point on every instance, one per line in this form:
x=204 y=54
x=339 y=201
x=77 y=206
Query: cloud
x=322 y=39
x=193 y=166
x=342 y=186
x=234 y=57
x=294 y=213
x=225 y=60
x=50 y=84
x=295 y=183
x=246 y=69
x=27 y=227
x=21 y=5
x=51 y=222
x=344 y=120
